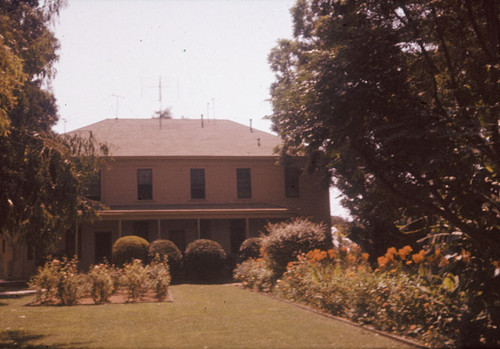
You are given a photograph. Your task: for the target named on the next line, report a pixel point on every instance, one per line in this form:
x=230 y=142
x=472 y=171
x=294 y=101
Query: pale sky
x=204 y=51
x=211 y=57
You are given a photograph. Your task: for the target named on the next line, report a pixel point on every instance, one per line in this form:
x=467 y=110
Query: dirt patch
x=120 y=297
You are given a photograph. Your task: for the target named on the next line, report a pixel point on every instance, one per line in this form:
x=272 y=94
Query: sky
x=209 y=57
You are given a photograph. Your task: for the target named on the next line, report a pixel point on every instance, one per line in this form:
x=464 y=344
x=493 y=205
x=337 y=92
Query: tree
x=43 y=176
x=400 y=100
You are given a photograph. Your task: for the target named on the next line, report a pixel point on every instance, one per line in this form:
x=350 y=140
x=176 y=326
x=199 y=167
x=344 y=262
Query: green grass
x=201 y=316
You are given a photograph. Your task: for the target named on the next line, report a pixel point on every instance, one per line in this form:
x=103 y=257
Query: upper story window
x=244 y=183
x=145 y=184
x=292 y=175
x=197 y=183
x=94 y=192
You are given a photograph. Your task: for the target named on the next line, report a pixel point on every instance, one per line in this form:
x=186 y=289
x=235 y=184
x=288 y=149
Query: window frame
x=244 y=183
x=198 y=183
x=144 y=190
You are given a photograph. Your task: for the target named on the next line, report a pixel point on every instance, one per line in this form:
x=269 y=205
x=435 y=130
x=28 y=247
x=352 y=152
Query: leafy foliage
x=128 y=248
x=43 y=175
x=255 y=274
x=204 y=260
x=59 y=279
x=400 y=101
x=287 y=240
x=166 y=248
x=101 y=281
x=250 y=248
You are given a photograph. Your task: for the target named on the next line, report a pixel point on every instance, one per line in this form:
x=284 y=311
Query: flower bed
x=412 y=294
x=59 y=282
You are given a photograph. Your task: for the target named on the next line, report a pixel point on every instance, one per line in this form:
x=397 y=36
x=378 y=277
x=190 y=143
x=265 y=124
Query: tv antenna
x=117 y=103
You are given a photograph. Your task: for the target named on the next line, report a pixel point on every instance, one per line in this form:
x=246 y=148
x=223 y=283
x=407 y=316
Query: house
x=184 y=179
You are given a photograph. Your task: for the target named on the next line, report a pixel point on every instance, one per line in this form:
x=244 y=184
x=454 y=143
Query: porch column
x=247 y=227
x=120 y=228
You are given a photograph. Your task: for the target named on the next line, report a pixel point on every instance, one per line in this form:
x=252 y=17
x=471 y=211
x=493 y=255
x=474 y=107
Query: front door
x=102 y=246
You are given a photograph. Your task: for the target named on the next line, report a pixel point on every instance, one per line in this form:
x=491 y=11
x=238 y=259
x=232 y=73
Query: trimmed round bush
x=167 y=248
x=204 y=260
x=287 y=240
x=128 y=248
x=250 y=248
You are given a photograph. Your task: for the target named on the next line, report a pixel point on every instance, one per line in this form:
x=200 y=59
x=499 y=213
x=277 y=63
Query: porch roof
x=196 y=210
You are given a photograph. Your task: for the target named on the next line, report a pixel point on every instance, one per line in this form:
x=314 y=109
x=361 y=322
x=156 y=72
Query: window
x=244 y=184
x=292 y=175
x=95 y=188
x=197 y=183
x=145 y=184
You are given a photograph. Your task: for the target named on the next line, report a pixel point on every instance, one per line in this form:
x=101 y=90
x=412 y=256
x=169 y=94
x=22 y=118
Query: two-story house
x=184 y=179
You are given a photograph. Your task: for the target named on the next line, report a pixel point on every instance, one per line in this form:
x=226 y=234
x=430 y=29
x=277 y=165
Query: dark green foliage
x=204 y=260
x=43 y=175
x=287 y=240
x=250 y=248
x=399 y=100
x=128 y=248
x=167 y=248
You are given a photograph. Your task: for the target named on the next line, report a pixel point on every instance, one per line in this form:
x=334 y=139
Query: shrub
x=159 y=276
x=59 y=279
x=69 y=287
x=128 y=248
x=135 y=279
x=204 y=260
x=167 y=248
x=255 y=274
x=45 y=281
x=101 y=282
x=250 y=248
x=288 y=240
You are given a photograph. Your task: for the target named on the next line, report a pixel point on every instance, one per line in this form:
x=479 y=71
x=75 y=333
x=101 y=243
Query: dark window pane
x=197 y=183
x=244 y=183
x=95 y=188
x=145 y=184
x=292 y=182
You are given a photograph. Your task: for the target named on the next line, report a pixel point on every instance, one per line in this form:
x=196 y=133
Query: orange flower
x=496 y=264
x=443 y=262
x=404 y=252
x=418 y=257
x=465 y=256
x=365 y=256
x=351 y=258
x=332 y=254
x=382 y=261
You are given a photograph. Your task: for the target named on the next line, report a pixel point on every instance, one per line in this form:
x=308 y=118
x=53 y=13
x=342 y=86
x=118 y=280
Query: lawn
x=201 y=316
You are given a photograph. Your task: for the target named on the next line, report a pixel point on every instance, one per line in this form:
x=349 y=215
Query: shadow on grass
x=21 y=339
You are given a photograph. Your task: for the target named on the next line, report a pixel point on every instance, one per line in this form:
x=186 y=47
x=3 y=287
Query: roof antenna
x=208 y=112
x=213 y=109
x=117 y=103
x=201 y=120
x=251 y=128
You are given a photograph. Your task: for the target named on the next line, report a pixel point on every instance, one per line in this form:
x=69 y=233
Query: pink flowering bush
x=101 y=281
